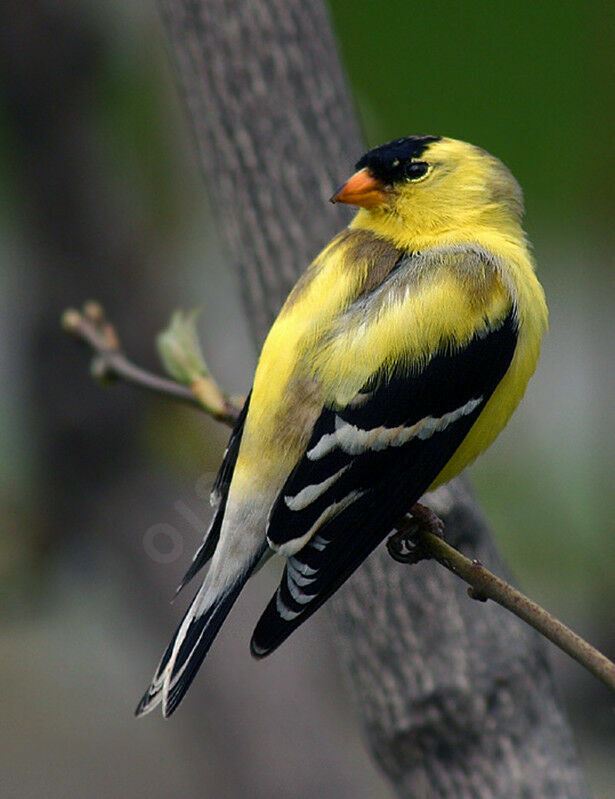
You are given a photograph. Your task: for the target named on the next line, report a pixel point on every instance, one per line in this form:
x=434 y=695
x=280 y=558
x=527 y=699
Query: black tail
x=192 y=641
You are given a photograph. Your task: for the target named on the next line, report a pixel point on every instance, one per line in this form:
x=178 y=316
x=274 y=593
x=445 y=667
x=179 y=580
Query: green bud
x=179 y=349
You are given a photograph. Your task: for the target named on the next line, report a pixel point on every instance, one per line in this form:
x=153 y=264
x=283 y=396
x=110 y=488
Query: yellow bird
x=397 y=358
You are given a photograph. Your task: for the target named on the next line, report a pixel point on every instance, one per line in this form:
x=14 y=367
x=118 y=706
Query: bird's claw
x=405 y=545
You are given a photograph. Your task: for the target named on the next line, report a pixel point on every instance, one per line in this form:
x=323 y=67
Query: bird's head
x=425 y=184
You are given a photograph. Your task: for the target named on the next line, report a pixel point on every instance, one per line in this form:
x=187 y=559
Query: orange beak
x=362 y=189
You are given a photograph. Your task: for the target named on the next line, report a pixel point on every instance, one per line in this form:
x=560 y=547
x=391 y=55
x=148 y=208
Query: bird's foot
x=427 y=519
x=404 y=545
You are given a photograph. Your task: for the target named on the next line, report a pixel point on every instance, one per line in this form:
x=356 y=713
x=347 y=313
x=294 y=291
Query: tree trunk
x=456 y=697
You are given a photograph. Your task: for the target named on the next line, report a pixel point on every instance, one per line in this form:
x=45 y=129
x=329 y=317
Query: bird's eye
x=416 y=170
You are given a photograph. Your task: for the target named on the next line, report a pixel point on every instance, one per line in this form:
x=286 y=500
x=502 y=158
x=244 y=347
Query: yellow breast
x=528 y=296
x=322 y=350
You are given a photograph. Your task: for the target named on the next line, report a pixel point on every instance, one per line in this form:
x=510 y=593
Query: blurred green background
x=100 y=196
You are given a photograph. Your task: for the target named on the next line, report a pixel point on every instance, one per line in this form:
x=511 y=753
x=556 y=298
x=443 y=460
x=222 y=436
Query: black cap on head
x=389 y=161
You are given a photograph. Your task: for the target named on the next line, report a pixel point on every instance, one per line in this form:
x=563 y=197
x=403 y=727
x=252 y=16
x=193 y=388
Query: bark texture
x=456 y=697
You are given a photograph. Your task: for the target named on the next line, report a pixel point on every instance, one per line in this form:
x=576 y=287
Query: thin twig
x=485 y=585
x=109 y=361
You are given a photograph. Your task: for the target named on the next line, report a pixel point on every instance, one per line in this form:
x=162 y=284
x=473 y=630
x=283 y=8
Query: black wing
x=366 y=465
x=219 y=493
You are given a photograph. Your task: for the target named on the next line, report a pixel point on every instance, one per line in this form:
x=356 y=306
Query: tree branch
x=485 y=585
x=92 y=327
x=109 y=363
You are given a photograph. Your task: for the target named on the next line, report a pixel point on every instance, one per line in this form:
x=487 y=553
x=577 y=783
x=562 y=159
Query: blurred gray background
x=104 y=491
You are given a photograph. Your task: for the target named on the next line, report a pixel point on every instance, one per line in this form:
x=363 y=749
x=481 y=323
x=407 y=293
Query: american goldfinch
x=397 y=358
